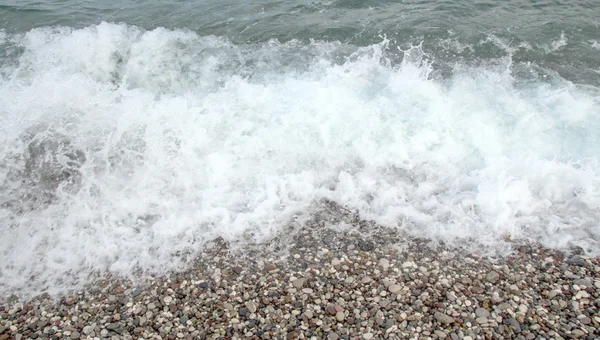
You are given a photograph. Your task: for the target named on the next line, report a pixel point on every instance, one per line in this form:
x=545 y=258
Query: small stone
x=307 y=291
x=578 y=332
x=137 y=291
x=514 y=324
x=440 y=334
x=333 y=336
x=576 y=261
x=251 y=306
x=553 y=293
x=87 y=330
x=583 y=283
x=367 y=336
x=331 y=309
x=384 y=263
x=504 y=306
x=243 y=311
x=75 y=335
x=513 y=289
x=340 y=316
x=482 y=313
x=481 y=320
x=366 y=279
x=443 y=318
x=394 y=288
x=167 y=300
x=492 y=277
x=299 y=283
x=308 y=314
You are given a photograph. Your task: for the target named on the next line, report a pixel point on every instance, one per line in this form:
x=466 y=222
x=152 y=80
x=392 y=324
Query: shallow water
x=132 y=133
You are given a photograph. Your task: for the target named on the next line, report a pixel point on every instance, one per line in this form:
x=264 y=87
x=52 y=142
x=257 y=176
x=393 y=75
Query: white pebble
x=384 y=263
x=394 y=288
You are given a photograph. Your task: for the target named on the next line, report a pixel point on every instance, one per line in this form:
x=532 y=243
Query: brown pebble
x=293 y=335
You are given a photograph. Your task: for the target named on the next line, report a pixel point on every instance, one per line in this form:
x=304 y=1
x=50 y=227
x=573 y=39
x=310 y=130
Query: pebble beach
x=317 y=281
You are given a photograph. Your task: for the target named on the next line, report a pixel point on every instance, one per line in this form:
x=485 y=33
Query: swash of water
x=131 y=132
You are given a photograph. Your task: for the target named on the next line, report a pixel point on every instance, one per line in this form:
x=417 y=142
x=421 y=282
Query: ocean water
x=132 y=132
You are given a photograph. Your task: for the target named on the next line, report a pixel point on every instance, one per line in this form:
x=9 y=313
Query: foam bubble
x=123 y=149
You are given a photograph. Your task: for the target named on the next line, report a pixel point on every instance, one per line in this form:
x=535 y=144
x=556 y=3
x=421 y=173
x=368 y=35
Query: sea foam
x=123 y=148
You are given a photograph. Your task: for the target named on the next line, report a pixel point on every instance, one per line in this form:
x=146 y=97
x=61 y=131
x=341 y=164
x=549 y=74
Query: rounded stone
x=482 y=313
x=394 y=288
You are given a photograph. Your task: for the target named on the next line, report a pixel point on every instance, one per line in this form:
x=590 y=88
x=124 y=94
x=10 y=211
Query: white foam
x=558 y=43
x=187 y=137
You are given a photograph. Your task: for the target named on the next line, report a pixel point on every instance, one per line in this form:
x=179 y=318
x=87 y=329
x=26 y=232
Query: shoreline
x=328 y=283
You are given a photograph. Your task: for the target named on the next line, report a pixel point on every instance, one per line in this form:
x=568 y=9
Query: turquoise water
x=131 y=132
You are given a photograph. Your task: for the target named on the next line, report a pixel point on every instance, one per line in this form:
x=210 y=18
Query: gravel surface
x=321 y=281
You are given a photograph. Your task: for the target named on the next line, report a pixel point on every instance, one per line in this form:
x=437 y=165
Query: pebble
x=384 y=292
x=299 y=283
x=384 y=263
x=443 y=318
x=251 y=306
x=492 y=277
x=394 y=288
x=87 y=330
x=482 y=313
